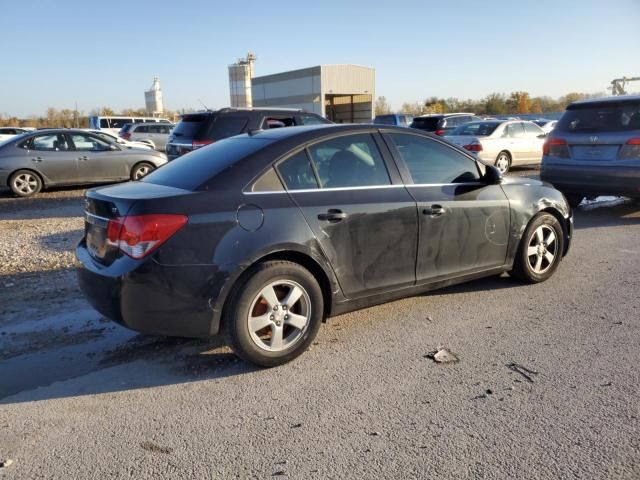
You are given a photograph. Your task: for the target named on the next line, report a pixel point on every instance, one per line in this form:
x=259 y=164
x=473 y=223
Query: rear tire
x=25 y=183
x=274 y=315
x=141 y=169
x=540 y=250
x=503 y=162
x=574 y=199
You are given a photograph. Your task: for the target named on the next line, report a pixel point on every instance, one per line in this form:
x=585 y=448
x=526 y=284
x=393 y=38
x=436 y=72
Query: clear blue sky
x=107 y=52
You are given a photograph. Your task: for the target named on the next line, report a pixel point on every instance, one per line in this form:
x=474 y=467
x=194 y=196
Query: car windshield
x=601 y=117
x=477 y=129
x=426 y=123
x=191 y=171
x=13 y=138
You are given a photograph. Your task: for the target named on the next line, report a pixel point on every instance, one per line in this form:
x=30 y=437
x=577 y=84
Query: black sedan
x=264 y=235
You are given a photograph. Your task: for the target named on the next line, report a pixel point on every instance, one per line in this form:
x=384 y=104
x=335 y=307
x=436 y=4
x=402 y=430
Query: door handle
x=84 y=157
x=333 y=215
x=37 y=159
x=434 y=210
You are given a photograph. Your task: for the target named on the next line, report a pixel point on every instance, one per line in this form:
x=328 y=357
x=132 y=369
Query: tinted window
x=349 y=161
x=601 y=117
x=312 y=120
x=196 y=168
x=514 y=130
x=532 y=130
x=430 y=161
x=297 y=173
x=8 y=131
x=224 y=126
x=426 y=123
x=191 y=126
x=50 y=143
x=480 y=129
x=141 y=129
x=385 y=120
x=114 y=122
x=88 y=143
x=268 y=182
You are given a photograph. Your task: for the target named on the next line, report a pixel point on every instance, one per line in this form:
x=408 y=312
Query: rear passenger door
x=517 y=143
x=463 y=222
x=536 y=137
x=363 y=217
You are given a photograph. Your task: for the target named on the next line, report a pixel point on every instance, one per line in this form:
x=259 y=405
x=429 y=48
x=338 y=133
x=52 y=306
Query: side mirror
x=492 y=176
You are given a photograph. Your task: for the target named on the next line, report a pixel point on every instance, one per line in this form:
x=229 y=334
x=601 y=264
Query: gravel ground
x=546 y=385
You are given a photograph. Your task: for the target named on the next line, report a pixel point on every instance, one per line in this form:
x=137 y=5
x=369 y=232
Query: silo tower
x=240 y=75
x=153 y=98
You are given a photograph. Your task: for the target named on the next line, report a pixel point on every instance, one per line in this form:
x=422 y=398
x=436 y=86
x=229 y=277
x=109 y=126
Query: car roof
x=611 y=99
x=276 y=134
x=247 y=109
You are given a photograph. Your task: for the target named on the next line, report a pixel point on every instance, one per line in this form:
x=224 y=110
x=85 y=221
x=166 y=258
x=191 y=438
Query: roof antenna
x=205 y=107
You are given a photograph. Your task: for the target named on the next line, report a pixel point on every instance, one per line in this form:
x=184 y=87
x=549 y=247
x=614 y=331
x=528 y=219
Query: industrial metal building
x=342 y=93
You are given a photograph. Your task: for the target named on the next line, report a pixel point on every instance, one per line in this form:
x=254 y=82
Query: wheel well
x=563 y=222
x=295 y=257
x=28 y=170
x=508 y=154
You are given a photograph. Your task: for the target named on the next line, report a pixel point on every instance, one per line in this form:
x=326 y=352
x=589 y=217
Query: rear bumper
x=592 y=180
x=151 y=298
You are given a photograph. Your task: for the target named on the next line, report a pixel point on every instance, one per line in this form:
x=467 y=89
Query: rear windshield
x=198 y=167
x=385 y=120
x=224 y=126
x=478 y=129
x=601 y=117
x=426 y=123
x=190 y=126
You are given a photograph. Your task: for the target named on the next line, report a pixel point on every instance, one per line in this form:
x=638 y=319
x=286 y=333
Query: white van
x=113 y=124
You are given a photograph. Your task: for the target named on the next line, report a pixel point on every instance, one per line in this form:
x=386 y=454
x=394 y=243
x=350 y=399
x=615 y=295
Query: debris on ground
x=522 y=370
x=155 y=448
x=442 y=355
x=6 y=463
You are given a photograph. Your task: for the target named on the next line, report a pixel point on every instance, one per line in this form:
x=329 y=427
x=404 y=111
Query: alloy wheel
x=502 y=162
x=279 y=315
x=542 y=249
x=25 y=183
x=141 y=171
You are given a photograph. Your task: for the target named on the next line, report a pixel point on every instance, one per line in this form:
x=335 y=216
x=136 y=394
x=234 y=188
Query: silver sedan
x=501 y=143
x=36 y=160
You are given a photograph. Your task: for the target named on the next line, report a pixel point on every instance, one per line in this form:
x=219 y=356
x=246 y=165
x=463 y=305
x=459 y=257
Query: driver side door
x=97 y=161
x=463 y=222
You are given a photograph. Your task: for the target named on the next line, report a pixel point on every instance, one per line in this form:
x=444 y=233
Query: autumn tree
x=382 y=107
x=495 y=104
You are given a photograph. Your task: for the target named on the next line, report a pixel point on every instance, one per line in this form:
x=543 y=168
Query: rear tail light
x=183 y=151
x=139 y=235
x=630 y=150
x=126 y=135
x=439 y=132
x=473 y=147
x=200 y=143
x=556 y=147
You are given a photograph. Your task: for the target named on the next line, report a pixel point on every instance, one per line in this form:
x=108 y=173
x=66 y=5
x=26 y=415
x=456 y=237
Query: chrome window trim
x=95 y=219
x=335 y=189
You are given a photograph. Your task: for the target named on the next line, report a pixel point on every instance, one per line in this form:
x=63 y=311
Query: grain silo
x=240 y=75
x=153 y=98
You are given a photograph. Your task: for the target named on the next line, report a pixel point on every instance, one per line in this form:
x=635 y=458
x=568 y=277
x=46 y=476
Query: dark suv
x=441 y=124
x=196 y=130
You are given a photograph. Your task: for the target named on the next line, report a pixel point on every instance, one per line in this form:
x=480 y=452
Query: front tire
x=274 y=315
x=503 y=162
x=540 y=250
x=140 y=170
x=25 y=183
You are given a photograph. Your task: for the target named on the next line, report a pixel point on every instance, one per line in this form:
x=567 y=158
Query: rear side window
x=431 y=162
x=601 y=117
x=142 y=129
x=224 y=126
x=426 y=123
x=312 y=120
x=52 y=143
x=514 y=130
x=532 y=130
x=191 y=126
x=297 y=173
x=481 y=129
x=349 y=161
x=195 y=169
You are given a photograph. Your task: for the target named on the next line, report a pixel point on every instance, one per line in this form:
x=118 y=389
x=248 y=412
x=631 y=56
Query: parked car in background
x=595 y=149
x=263 y=236
x=397 y=119
x=9 y=132
x=196 y=130
x=501 y=143
x=545 y=125
x=55 y=157
x=109 y=137
x=113 y=124
x=153 y=134
x=442 y=124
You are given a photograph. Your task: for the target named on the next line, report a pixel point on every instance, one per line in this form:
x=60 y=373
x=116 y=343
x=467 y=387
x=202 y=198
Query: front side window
x=532 y=130
x=297 y=173
x=431 y=162
x=349 y=161
x=51 y=143
x=88 y=143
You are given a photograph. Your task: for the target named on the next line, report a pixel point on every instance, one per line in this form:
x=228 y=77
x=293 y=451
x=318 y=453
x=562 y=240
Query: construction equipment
x=618 y=85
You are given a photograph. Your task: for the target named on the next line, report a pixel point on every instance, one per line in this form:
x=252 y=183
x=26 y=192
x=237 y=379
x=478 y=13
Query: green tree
x=382 y=107
x=495 y=104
